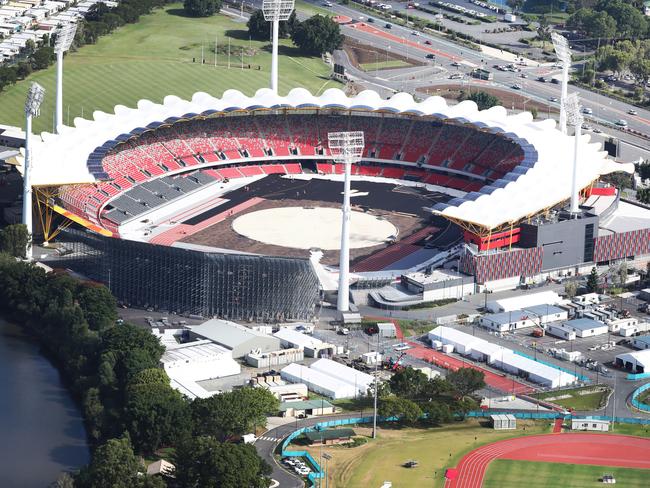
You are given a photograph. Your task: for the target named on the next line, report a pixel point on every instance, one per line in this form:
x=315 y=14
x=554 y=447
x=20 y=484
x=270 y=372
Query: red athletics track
x=401 y=40
x=442 y=360
x=595 y=449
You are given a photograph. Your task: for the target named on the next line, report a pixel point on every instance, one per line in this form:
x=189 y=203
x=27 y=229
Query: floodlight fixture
x=34 y=99
x=65 y=37
x=345 y=148
x=274 y=11
x=63 y=43
x=563 y=52
x=573 y=110
x=32 y=109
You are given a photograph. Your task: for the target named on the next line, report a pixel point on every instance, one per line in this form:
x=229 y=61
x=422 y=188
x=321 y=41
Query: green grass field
x=503 y=473
x=586 y=402
x=435 y=449
x=391 y=63
x=153 y=59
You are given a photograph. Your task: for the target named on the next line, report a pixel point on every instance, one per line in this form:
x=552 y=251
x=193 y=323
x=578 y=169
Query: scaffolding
x=187 y=282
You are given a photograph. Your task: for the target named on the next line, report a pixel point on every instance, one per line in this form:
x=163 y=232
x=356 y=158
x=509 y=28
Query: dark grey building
x=566 y=241
x=232 y=286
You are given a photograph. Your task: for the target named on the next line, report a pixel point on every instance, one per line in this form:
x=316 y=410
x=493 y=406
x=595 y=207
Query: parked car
x=632 y=112
x=587 y=110
x=553 y=99
x=621 y=123
x=516 y=87
x=541 y=79
x=388 y=26
x=427 y=42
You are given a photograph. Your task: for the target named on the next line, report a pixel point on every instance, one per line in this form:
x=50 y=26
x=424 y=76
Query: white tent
x=317 y=381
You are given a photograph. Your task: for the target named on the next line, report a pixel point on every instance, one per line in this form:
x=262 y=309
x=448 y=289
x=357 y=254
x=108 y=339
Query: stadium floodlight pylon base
x=346 y=148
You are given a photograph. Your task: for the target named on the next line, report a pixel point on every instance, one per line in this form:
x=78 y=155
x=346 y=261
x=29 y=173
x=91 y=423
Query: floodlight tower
x=346 y=148
x=574 y=113
x=275 y=11
x=32 y=109
x=563 y=53
x=63 y=42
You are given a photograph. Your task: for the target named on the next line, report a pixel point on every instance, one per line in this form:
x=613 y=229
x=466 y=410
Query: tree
x=408 y=383
x=260 y=29
x=42 y=57
x=600 y=24
x=202 y=8
x=98 y=306
x=407 y=411
x=63 y=481
x=113 y=465
x=14 y=240
x=466 y=380
x=317 y=35
x=544 y=31
x=436 y=413
x=484 y=100
x=516 y=5
x=570 y=289
x=643 y=195
x=204 y=462
x=622 y=273
x=93 y=413
x=233 y=413
x=155 y=415
x=592 y=281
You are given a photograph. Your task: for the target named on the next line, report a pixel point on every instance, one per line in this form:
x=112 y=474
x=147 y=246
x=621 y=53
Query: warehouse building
x=634 y=362
x=239 y=339
x=361 y=381
x=189 y=363
x=585 y=327
x=523 y=301
x=313 y=348
x=318 y=382
x=502 y=358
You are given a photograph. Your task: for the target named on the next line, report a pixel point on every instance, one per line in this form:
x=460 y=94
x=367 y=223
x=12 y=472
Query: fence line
x=635 y=394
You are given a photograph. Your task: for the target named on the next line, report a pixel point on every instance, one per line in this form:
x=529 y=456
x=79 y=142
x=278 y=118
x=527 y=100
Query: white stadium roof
x=541 y=181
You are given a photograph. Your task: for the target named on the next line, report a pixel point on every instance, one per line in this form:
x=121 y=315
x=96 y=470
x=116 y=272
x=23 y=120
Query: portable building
x=547 y=313
x=508 y=321
x=523 y=301
x=503 y=422
x=306 y=407
x=314 y=348
x=641 y=342
x=586 y=327
x=387 y=330
x=559 y=331
x=588 y=423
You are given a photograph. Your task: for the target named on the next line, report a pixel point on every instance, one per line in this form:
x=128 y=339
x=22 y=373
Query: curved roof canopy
x=541 y=181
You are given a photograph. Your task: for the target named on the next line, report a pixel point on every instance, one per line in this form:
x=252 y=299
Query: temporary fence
x=637 y=376
x=635 y=398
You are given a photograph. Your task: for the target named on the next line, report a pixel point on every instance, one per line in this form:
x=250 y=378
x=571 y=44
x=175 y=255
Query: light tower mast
x=563 y=53
x=63 y=42
x=346 y=148
x=574 y=115
x=32 y=109
x=275 y=11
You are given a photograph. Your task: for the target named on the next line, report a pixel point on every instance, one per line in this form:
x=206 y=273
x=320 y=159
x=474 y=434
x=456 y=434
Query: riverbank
x=42 y=428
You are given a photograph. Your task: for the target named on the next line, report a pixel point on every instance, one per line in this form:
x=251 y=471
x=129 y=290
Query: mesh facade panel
x=233 y=286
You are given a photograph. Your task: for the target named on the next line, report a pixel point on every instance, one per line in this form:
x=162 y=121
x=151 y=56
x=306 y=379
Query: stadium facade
x=510 y=177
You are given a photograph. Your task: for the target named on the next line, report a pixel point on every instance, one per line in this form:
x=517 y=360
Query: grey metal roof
x=584 y=324
x=305 y=405
x=508 y=317
x=227 y=333
x=544 y=309
x=644 y=339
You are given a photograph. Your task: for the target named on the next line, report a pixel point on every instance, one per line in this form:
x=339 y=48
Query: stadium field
x=505 y=473
x=154 y=58
x=435 y=449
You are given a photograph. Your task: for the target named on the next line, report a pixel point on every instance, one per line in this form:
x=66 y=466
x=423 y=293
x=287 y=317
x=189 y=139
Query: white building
x=508 y=321
x=585 y=327
x=439 y=284
x=634 y=362
x=318 y=382
x=588 y=423
x=313 y=348
x=547 y=313
x=524 y=301
x=557 y=330
x=360 y=380
x=503 y=422
x=502 y=358
x=189 y=363
x=387 y=330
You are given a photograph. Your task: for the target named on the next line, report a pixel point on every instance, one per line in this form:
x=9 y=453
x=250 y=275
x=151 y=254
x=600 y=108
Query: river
x=41 y=429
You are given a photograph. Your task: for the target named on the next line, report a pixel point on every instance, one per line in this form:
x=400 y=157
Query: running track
x=595 y=449
x=442 y=360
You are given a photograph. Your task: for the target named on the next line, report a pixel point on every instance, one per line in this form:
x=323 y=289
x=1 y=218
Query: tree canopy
x=202 y=8
x=484 y=100
x=14 y=239
x=260 y=29
x=466 y=380
x=317 y=35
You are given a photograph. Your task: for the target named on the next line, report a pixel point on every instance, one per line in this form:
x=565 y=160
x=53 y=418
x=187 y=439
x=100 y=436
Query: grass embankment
x=390 y=64
x=504 y=473
x=585 y=398
x=435 y=449
x=154 y=58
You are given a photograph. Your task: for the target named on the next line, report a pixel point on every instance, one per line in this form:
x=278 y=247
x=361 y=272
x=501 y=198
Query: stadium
x=231 y=206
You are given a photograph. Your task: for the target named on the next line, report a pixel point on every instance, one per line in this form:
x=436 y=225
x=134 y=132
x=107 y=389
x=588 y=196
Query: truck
x=537 y=332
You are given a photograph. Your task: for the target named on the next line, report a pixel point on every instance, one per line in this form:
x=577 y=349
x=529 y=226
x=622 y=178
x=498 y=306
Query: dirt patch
x=360 y=53
x=223 y=236
x=509 y=99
